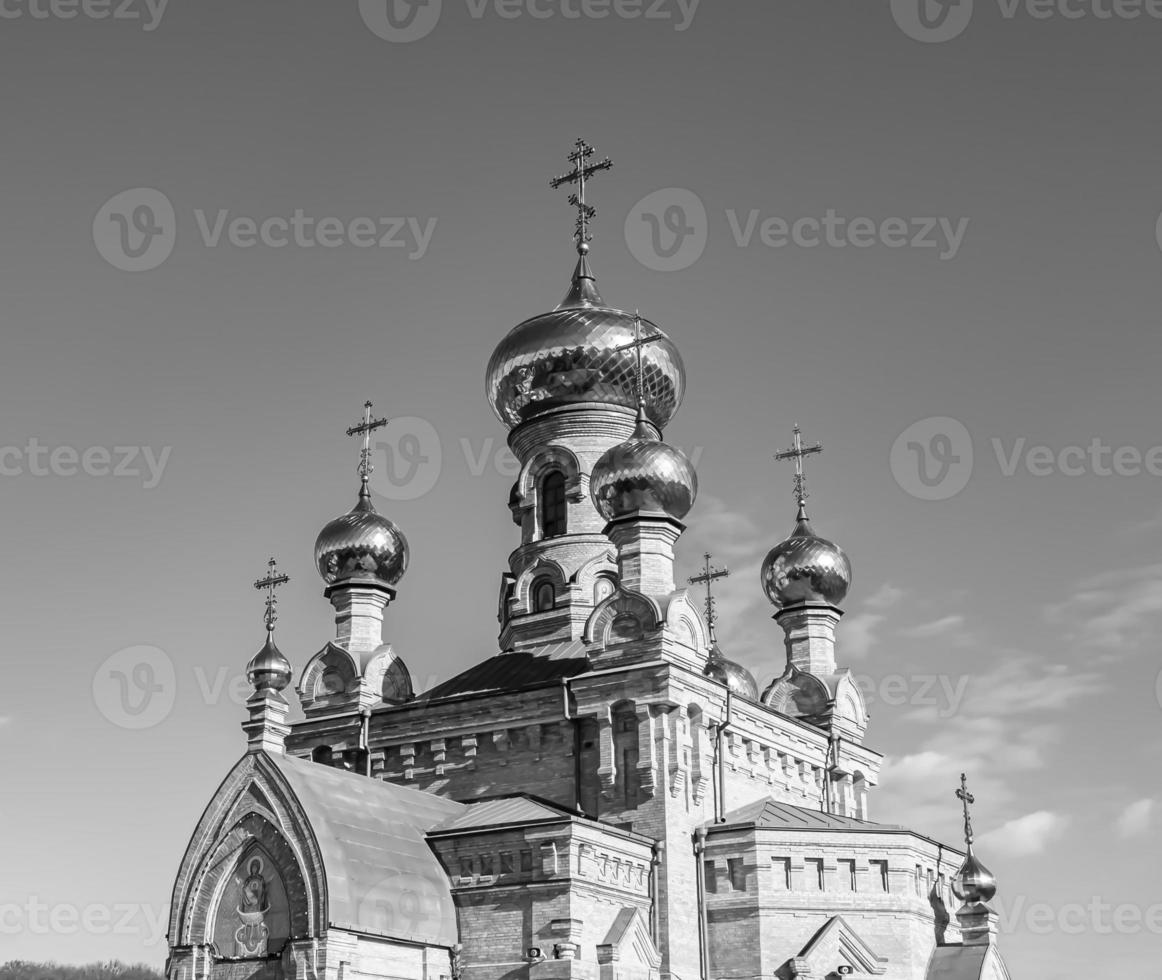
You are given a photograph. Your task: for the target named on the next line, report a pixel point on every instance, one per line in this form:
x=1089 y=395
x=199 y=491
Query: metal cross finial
x=797 y=453
x=365 y=428
x=966 y=798
x=272 y=581
x=708 y=576
x=580 y=173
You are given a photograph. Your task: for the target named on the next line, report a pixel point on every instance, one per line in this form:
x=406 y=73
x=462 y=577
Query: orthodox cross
x=709 y=574
x=638 y=343
x=272 y=581
x=580 y=173
x=966 y=798
x=797 y=453
x=365 y=428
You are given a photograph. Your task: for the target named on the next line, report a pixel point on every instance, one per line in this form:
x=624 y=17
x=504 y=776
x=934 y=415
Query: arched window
x=323 y=755
x=603 y=588
x=553 y=504
x=544 y=595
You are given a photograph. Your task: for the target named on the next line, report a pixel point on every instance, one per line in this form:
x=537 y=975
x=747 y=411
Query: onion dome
x=805 y=568
x=735 y=676
x=362 y=545
x=582 y=353
x=974 y=882
x=268 y=669
x=643 y=474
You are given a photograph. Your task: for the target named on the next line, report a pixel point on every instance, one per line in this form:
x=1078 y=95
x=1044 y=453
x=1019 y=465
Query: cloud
x=1003 y=728
x=1026 y=835
x=856 y=635
x=939 y=627
x=1134 y=820
x=1118 y=609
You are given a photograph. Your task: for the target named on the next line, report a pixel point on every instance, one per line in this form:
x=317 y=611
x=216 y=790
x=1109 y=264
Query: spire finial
x=797 y=453
x=271 y=582
x=708 y=576
x=581 y=173
x=966 y=799
x=365 y=428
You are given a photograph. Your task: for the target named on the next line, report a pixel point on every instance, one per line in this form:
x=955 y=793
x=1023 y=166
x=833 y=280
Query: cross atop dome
x=365 y=428
x=967 y=799
x=708 y=576
x=579 y=175
x=798 y=452
x=272 y=581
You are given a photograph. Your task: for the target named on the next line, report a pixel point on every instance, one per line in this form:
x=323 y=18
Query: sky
x=929 y=235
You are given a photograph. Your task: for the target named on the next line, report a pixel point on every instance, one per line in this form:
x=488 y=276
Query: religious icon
x=251 y=936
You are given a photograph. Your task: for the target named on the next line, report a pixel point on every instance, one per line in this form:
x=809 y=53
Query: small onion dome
x=268 y=669
x=362 y=544
x=974 y=882
x=578 y=354
x=643 y=474
x=735 y=676
x=805 y=568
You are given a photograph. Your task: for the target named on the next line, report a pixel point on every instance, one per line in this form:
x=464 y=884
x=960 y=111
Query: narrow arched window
x=322 y=754
x=544 y=595
x=553 y=504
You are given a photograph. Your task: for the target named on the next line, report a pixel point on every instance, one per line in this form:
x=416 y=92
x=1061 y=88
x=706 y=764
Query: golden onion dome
x=362 y=544
x=805 y=568
x=643 y=474
x=974 y=882
x=582 y=353
x=735 y=676
x=268 y=669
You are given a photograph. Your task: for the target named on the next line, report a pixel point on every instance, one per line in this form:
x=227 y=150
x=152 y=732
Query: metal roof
x=771 y=814
x=516 y=670
x=504 y=811
x=382 y=877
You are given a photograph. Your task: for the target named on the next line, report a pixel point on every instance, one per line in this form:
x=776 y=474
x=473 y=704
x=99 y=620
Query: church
x=609 y=796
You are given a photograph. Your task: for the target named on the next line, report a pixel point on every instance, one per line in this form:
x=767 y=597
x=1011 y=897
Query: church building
x=609 y=796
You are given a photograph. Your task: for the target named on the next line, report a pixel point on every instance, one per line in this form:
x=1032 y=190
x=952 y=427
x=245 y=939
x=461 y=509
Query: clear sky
x=1005 y=282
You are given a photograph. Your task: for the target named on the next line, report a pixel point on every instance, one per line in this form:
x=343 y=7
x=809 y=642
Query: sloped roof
x=516 y=670
x=771 y=814
x=382 y=877
x=501 y=812
x=959 y=963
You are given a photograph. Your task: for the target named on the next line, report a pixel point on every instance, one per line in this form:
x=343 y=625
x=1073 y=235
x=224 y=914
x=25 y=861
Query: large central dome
x=570 y=356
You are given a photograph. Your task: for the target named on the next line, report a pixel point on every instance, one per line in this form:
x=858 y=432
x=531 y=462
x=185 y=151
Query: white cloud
x=939 y=627
x=1030 y=834
x=1117 y=609
x=856 y=635
x=1003 y=728
x=1134 y=820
